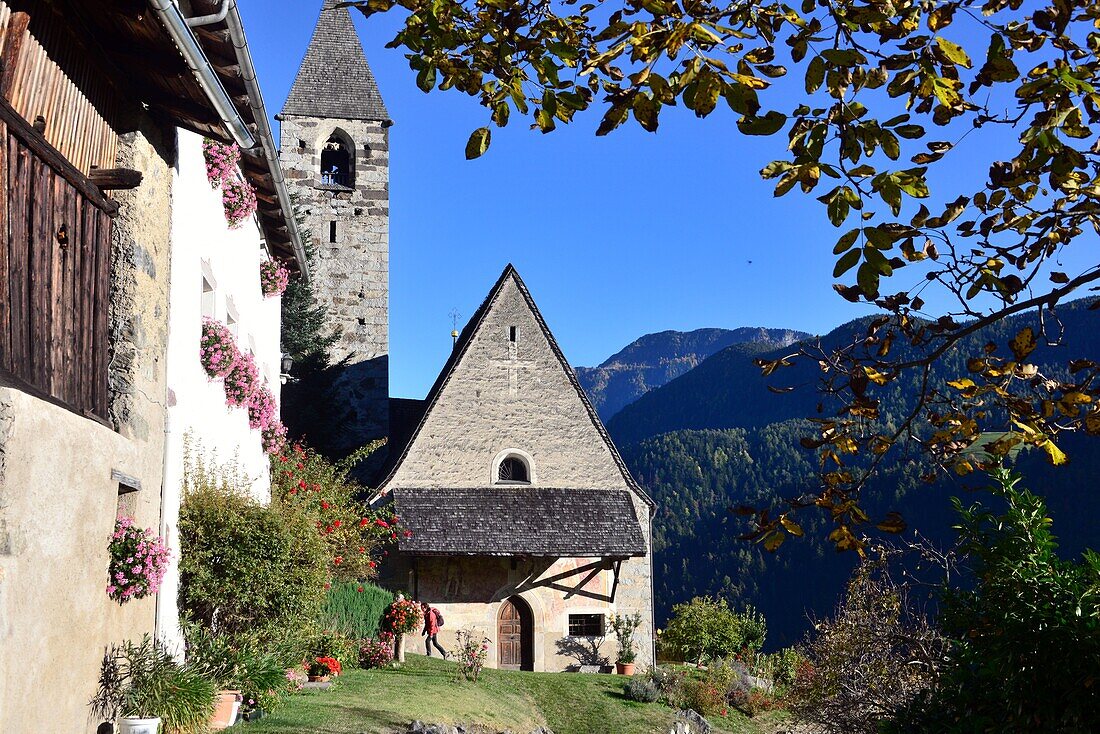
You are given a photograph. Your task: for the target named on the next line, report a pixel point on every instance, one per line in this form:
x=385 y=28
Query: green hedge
x=355 y=608
x=246 y=567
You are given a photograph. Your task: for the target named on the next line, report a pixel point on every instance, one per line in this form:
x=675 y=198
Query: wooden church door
x=514 y=636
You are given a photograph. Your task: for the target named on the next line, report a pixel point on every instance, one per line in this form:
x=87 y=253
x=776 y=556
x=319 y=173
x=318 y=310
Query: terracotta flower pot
x=318 y=678
x=225 y=710
x=624 y=668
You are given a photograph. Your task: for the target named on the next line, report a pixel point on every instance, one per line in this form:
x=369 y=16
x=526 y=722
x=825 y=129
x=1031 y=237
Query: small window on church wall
x=512 y=333
x=586 y=625
x=332 y=231
x=513 y=469
x=336 y=163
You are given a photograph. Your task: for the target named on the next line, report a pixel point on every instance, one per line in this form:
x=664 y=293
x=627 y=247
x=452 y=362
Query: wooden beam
x=13 y=48
x=113 y=179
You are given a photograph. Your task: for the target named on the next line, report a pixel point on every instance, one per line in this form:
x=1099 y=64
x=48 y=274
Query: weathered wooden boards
x=56 y=267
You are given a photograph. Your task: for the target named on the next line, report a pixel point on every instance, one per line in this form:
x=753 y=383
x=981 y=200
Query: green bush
x=243 y=662
x=1027 y=633
x=642 y=688
x=246 y=567
x=356 y=608
x=707 y=629
x=333 y=643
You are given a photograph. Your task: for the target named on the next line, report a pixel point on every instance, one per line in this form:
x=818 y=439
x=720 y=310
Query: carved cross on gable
x=513 y=364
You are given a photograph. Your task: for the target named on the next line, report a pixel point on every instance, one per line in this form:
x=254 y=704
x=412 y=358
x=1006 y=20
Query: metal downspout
x=218 y=17
x=263 y=126
x=204 y=73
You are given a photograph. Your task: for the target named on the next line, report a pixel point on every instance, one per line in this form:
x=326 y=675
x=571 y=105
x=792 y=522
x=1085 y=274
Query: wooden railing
x=54 y=271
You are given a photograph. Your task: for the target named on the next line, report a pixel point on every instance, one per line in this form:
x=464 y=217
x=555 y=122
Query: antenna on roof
x=455 y=315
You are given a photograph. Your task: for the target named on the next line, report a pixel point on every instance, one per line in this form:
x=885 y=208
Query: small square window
x=586 y=625
x=207 y=303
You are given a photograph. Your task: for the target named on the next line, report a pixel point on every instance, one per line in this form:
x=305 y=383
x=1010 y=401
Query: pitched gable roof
x=335 y=79
x=462 y=346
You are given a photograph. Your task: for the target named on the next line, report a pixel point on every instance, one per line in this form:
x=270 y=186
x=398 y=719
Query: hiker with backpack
x=433 y=620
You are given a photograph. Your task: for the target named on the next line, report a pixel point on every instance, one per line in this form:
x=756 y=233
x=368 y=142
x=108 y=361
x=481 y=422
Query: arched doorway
x=515 y=635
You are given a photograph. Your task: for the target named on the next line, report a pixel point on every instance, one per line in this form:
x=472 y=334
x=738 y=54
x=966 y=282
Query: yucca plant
x=142 y=680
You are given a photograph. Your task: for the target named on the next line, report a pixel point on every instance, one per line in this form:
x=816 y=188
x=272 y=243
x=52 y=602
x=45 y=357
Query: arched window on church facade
x=337 y=161
x=513 y=470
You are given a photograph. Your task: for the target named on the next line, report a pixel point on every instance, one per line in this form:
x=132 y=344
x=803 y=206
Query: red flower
x=301 y=484
x=408 y=534
x=338 y=560
x=363 y=523
x=381 y=523
x=283 y=458
x=372 y=564
x=362 y=549
x=393 y=536
x=300 y=465
x=327 y=586
x=360 y=589
x=324 y=505
x=316 y=487
x=293 y=491
x=336 y=524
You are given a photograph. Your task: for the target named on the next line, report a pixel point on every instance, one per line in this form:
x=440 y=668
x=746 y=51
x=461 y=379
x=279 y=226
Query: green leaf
x=478 y=143
x=615 y=116
x=815 y=74
x=867 y=279
x=425 y=78
x=769 y=124
x=846 y=263
x=846 y=241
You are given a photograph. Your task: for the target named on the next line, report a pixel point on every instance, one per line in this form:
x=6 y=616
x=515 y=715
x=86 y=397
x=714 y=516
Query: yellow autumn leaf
x=774 y=540
x=1023 y=344
x=875 y=376
x=791 y=526
x=963 y=384
x=1055 y=455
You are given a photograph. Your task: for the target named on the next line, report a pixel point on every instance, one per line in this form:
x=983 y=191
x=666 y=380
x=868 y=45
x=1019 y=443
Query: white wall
x=203 y=244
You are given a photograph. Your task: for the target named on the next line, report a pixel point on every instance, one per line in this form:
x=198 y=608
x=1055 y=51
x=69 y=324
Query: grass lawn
x=383 y=701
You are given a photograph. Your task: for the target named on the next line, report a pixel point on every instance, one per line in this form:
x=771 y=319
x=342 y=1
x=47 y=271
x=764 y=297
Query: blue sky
x=616 y=237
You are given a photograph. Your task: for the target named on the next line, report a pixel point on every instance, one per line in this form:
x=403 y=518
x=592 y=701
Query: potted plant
x=141 y=686
x=625 y=626
x=402 y=617
x=323 y=668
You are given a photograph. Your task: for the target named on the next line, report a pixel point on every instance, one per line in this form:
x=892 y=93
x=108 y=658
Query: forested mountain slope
x=716 y=438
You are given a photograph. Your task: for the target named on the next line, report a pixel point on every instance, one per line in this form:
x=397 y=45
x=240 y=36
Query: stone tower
x=334 y=149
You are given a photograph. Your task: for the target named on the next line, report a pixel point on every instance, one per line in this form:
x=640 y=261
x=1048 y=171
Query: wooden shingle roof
x=519 y=521
x=335 y=79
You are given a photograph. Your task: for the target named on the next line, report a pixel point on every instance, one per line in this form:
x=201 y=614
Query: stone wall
x=59 y=481
x=351 y=274
x=470 y=591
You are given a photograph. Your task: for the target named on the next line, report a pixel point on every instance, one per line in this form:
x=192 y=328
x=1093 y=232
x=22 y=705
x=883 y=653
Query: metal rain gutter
x=188 y=45
x=263 y=128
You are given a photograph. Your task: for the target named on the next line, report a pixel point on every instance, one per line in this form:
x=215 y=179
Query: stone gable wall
x=351 y=275
x=501 y=398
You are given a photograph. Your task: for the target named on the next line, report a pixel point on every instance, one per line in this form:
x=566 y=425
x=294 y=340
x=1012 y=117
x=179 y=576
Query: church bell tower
x=334 y=148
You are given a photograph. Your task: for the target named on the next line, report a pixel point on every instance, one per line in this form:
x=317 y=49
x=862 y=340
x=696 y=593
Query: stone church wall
x=350 y=274
x=58 y=491
x=509 y=396
x=470 y=591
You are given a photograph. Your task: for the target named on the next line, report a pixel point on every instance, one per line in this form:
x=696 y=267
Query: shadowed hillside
x=654 y=359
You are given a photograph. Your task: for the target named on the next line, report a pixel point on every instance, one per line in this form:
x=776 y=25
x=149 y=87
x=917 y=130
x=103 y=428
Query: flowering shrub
x=306 y=481
x=138 y=562
x=273 y=278
x=221 y=161
x=239 y=201
x=471 y=654
x=273 y=438
x=262 y=411
x=295 y=679
x=242 y=380
x=217 y=349
x=325 y=666
x=376 y=653
x=402 y=617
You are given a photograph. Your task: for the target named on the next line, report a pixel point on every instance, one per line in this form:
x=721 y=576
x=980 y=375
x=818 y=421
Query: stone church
x=527 y=526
